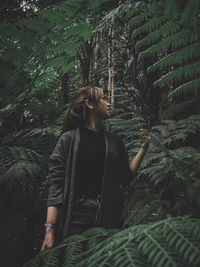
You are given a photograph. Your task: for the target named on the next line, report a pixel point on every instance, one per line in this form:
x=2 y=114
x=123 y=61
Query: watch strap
x=52 y=225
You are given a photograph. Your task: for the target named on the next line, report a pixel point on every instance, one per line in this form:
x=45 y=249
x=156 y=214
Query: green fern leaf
x=149 y=26
x=178 y=57
x=176 y=40
x=54 y=17
x=154 y=244
x=171 y=10
x=138 y=19
x=163 y=31
x=187 y=71
x=186 y=88
x=134 y=8
x=70 y=47
x=190 y=14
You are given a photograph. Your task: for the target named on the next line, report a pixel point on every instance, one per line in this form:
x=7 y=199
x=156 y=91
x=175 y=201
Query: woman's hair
x=78 y=112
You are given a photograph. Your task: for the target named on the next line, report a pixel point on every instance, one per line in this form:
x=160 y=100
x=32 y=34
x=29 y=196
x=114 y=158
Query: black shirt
x=90 y=162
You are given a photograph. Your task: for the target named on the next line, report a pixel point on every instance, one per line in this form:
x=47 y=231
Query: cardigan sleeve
x=57 y=169
x=125 y=171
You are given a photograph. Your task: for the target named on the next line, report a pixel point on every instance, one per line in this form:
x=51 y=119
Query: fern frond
x=39 y=41
x=20 y=163
x=138 y=19
x=38 y=25
x=74 y=249
x=52 y=258
x=148 y=27
x=135 y=8
x=69 y=46
x=185 y=247
x=177 y=57
x=176 y=131
x=155 y=8
x=171 y=10
x=163 y=31
x=55 y=17
x=39 y=132
x=189 y=16
x=187 y=71
x=185 y=88
x=156 y=244
x=174 y=41
x=110 y=17
x=98 y=235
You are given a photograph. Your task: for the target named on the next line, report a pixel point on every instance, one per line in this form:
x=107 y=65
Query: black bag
x=85 y=214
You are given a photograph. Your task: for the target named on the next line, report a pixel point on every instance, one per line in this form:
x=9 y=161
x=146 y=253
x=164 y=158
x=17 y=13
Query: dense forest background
x=145 y=55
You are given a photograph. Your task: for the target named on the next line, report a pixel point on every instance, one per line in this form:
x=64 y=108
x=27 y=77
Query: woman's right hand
x=49 y=239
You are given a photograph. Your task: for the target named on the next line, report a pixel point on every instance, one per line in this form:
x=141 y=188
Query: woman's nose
x=108 y=104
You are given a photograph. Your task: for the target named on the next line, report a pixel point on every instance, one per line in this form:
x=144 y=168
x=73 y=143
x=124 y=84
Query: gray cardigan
x=62 y=171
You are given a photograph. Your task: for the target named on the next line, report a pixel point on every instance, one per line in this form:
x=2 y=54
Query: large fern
x=170 y=242
x=42 y=44
x=28 y=136
x=164 y=32
x=168 y=179
x=178 y=133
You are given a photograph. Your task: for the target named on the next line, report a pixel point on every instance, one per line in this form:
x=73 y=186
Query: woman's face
x=102 y=110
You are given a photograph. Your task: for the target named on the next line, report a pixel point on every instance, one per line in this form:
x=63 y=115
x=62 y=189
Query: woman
x=87 y=167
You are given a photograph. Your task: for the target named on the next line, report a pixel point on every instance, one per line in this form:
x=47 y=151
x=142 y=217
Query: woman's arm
x=52 y=212
x=57 y=169
x=49 y=238
x=137 y=160
x=127 y=170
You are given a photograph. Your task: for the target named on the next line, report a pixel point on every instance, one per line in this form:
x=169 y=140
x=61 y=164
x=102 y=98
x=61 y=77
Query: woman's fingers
x=142 y=135
x=145 y=143
x=44 y=247
x=50 y=245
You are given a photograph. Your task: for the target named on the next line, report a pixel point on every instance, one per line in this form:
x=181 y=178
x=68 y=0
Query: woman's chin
x=107 y=115
x=104 y=115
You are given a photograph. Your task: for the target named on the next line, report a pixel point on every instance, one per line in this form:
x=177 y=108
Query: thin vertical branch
x=112 y=68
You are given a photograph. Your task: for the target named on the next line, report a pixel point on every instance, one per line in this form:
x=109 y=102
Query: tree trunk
x=65 y=88
x=85 y=57
x=111 y=69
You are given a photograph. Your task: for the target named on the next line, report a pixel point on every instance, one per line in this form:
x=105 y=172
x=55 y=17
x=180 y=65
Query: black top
x=90 y=162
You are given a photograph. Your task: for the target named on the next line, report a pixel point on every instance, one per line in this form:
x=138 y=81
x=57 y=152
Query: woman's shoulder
x=67 y=135
x=70 y=133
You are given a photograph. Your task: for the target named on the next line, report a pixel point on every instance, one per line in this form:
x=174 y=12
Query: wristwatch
x=52 y=225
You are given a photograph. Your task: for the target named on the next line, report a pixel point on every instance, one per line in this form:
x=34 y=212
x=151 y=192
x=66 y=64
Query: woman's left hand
x=144 y=145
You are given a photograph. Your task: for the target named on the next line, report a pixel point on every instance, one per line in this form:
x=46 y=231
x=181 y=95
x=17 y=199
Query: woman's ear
x=88 y=104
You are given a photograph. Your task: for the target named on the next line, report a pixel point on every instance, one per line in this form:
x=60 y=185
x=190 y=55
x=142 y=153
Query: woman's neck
x=94 y=127
x=93 y=124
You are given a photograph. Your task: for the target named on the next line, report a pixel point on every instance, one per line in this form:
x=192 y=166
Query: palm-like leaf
x=170 y=242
